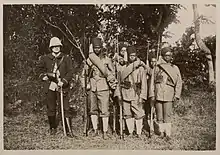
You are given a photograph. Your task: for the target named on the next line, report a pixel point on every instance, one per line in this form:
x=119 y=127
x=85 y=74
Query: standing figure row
x=158 y=85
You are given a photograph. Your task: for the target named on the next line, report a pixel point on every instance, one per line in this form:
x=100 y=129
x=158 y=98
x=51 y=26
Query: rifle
x=86 y=116
x=86 y=104
x=151 y=120
x=120 y=101
x=114 y=119
x=114 y=105
x=147 y=62
x=152 y=111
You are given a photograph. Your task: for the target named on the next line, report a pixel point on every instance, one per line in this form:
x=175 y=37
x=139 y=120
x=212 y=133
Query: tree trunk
x=202 y=45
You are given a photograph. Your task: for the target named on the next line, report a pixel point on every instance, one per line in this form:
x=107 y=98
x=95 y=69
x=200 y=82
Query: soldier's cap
x=131 y=49
x=97 y=42
x=166 y=50
x=151 y=56
x=121 y=45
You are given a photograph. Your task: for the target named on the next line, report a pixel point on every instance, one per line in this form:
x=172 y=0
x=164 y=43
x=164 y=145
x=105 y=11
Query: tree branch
x=61 y=32
x=74 y=38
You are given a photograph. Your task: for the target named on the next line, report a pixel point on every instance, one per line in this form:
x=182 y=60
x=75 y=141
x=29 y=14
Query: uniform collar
x=56 y=55
x=52 y=57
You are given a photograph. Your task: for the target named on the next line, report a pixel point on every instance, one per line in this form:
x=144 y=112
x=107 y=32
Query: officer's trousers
x=51 y=98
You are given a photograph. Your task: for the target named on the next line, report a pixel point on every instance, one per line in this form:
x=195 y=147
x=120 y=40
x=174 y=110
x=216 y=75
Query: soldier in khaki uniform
x=134 y=92
x=165 y=89
x=100 y=90
x=54 y=66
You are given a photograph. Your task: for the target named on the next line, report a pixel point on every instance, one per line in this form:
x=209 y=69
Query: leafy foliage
x=26 y=37
x=138 y=24
x=191 y=61
x=28 y=29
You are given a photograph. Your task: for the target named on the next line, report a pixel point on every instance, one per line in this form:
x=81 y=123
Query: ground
x=194 y=128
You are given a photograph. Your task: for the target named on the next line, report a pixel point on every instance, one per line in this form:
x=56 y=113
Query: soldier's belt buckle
x=159 y=79
x=138 y=85
x=126 y=84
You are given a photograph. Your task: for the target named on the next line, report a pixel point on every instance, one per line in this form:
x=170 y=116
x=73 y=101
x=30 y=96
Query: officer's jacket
x=46 y=65
x=96 y=78
x=166 y=82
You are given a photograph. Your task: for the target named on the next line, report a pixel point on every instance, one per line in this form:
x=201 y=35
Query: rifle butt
x=121 y=121
x=151 y=121
x=86 y=119
x=114 y=119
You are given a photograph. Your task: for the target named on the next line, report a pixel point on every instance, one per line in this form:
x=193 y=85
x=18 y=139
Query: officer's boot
x=105 y=127
x=139 y=126
x=52 y=123
x=94 y=119
x=159 y=129
x=68 y=126
x=167 y=129
x=130 y=125
x=58 y=120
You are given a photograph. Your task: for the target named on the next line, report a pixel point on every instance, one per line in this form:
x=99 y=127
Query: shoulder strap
x=58 y=65
x=127 y=71
x=169 y=71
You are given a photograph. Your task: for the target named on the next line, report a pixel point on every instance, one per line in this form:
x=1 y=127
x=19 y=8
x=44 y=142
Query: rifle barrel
x=86 y=107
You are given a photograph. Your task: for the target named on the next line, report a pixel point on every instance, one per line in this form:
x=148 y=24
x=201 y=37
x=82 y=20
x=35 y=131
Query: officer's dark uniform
x=64 y=66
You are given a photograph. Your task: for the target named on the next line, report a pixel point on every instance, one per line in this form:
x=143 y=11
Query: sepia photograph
x=109 y=76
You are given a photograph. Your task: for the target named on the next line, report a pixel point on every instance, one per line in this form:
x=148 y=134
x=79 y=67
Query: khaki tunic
x=97 y=81
x=162 y=87
x=130 y=96
x=100 y=90
x=137 y=76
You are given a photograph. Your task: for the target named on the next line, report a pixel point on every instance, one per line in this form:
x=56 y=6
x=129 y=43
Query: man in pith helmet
x=56 y=72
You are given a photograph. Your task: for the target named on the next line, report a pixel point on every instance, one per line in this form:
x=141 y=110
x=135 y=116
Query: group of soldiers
x=124 y=79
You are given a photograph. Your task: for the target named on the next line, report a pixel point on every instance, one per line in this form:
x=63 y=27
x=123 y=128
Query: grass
x=194 y=128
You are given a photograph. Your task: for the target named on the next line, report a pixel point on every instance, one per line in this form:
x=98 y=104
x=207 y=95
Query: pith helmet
x=55 y=42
